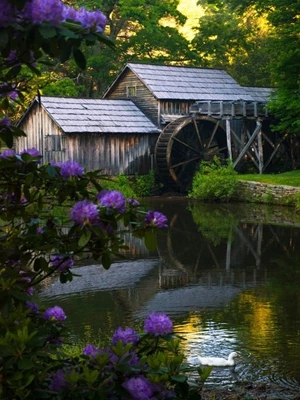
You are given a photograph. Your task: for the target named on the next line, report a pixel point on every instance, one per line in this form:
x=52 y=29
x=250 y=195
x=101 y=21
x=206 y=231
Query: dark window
x=131 y=91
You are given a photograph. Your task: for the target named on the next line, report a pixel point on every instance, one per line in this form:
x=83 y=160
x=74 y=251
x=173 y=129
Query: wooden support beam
x=260 y=152
x=248 y=152
x=274 y=151
x=228 y=137
x=248 y=144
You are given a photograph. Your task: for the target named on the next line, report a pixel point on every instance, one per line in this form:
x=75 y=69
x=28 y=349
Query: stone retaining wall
x=265 y=193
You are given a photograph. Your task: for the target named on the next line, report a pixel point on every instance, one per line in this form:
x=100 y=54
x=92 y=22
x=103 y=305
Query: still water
x=227 y=275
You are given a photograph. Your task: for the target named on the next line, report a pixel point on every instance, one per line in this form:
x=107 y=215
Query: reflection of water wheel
x=183 y=144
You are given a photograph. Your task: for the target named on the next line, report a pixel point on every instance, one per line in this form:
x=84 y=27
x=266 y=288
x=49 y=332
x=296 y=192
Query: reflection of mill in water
x=191 y=257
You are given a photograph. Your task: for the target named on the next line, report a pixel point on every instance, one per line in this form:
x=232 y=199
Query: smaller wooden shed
x=112 y=135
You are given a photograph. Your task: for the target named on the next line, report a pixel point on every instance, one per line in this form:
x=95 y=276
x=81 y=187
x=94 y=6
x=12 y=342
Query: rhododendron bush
x=53 y=215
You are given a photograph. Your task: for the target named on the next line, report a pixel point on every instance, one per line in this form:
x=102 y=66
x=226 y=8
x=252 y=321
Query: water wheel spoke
x=212 y=135
x=198 y=133
x=185 y=144
x=216 y=150
x=184 y=162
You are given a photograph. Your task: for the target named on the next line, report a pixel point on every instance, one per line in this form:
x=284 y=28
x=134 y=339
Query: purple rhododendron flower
x=85 y=212
x=33 y=307
x=91 y=350
x=139 y=388
x=156 y=219
x=61 y=263
x=46 y=11
x=112 y=199
x=133 y=202
x=126 y=335
x=29 y=291
x=54 y=313
x=94 y=21
x=58 y=381
x=158 y=324
x=4 y=124
x=8 y=91
x=7 y=13
x=33 y=152
x=7 y=153
x=70 y=168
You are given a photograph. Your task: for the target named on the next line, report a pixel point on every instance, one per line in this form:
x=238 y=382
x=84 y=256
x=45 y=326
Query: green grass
x=291 y=178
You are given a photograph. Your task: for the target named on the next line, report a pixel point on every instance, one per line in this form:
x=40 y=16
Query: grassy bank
x=291 y=178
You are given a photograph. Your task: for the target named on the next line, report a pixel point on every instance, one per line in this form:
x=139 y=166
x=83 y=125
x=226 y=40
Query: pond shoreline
x=265 y=193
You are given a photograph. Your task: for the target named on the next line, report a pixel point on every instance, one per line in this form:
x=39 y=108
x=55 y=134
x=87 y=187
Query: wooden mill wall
x=43 y=134
x=143 y=98
x=113 y=153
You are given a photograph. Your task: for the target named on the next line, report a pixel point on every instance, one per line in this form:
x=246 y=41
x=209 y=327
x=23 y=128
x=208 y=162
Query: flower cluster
x=112 y=200
x=7 y=153
x=33 y=152
x=139 y=388
x=53 y=12
x=70 y=168
x=85 y=212
x=158 y=324
x=61 y=263
x=126 y=335
x=55 y=313
x=156 y=219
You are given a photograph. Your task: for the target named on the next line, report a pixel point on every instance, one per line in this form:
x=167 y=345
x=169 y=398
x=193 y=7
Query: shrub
x=121 y=183
x=145 y=185
x=214 y=181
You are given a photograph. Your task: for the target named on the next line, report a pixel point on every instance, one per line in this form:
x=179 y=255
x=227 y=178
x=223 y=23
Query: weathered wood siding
x=113 y=153
x=143 y=98
x=43 y=134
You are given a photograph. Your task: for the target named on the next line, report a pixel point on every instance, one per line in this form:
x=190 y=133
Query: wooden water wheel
x=183 y=144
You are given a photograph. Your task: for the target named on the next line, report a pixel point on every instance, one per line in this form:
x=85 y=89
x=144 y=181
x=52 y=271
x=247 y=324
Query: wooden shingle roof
x=260 y=94
x=97 y=115
x=187 y=83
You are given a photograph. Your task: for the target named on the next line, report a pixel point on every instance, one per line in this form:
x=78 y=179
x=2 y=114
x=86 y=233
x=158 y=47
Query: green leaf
x=51 y=171
x=84 y=238
x=47 y=31
x=179 y=378
x=65 y=52
x=79 y=58
x=3 y=37
x=40 y=264
x=150 y=240
x=25 y=363
x=106 y=261
x=204 y=372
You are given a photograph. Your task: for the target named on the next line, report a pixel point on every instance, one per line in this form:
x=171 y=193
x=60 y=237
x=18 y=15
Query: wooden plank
x=228 y=138
x=260 y=152
x=248 y=144
x=274 y=151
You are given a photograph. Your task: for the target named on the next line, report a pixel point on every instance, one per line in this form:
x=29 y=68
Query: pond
x=227 y=275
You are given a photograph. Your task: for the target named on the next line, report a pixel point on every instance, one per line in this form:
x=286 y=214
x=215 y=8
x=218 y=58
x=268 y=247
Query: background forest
x=255 y=41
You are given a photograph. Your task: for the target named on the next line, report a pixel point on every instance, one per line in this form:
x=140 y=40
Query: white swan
x=219 y=362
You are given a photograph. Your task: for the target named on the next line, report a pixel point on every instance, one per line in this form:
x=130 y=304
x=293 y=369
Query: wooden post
x=228 y=136
x=260 y=148
x=248 y=144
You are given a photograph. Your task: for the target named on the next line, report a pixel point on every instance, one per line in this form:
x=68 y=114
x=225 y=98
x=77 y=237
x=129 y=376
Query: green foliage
x=214 y=224
x=121 y=183
x=64 y=87
x=145 y=185
x=214 y=181
x=136 y=186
